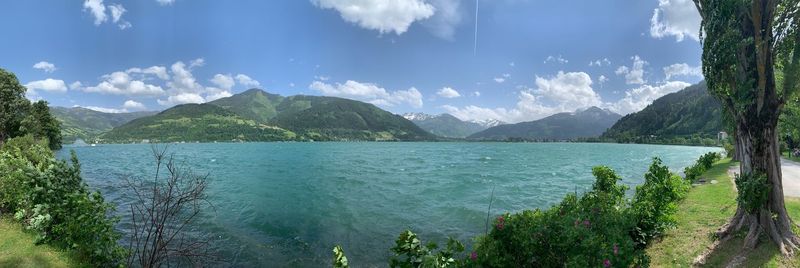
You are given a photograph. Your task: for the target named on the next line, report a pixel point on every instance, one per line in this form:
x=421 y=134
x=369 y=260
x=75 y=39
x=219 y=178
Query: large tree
x=743 y=42
x=12 y=105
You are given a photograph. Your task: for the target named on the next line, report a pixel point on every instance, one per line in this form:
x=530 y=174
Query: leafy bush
x=49 y=197
x=704 y=163
x=753 y=190
x=655 y=202
x=409 y=252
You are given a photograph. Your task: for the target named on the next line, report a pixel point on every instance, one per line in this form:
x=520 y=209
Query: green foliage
x=704 y=163
x=13 y=105
x=656 y=200
x=339 y=258
x=583 y=124
x=41 y=124
x=410 y=253
x=690 y=116
x=49 y=197
x=753 y=190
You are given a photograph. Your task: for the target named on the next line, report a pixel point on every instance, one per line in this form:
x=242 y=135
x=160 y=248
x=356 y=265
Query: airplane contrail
x=475 y=46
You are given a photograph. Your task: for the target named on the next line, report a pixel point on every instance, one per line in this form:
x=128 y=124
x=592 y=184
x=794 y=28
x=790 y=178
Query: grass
x=789 y=156
x=705 y=209
x=17 y=249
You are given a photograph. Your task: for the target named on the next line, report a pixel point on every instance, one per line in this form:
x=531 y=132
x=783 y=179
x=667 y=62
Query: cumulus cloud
x=182 y=98
x=165 y=2
x=158 y=71
x=48 y=84
x=677 y=18
x=76 y=85
x=638 y=98
x=133 y=105
x=247 y=81
x=121 y=83
x=635 y=73
x=98 y=10
x=476 y=93
x=223 y=81
x=602 y=79
x=383 y=16
x=369 y=92
x=45 y=66
x=565 y=92
x=556 y=59
x=103 y=109
x=448 y=92
x=499 y=80
x=682 y=69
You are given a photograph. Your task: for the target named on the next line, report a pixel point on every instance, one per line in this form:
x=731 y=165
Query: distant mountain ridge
x=86 y=124
x=446 y=125
x=255 y=115
x=591 y=122
x=691 y=111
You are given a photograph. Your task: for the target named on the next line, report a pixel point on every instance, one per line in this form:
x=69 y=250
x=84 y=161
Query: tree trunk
x=758 y=148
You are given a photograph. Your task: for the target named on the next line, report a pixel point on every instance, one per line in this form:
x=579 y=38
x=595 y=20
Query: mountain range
x=691 y=111
x=591 y=122
x=255 y=115
x=447 y=125
x=83 y=123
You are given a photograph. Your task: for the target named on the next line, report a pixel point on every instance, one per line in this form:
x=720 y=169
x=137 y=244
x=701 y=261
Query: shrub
x=410 y=252
x=49 y=197
x=704 y=163
x=655 y=202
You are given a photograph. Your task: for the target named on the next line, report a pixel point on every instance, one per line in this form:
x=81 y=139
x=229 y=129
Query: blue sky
x=532 y=58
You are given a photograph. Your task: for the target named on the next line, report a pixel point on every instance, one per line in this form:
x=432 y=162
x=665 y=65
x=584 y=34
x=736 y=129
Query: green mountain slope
x=562 y=126
x=195 y=122
x=255 y=115
x=691 y=111
x=253 y=104
x=82 y=123
x=445 y=125
x=330 y=118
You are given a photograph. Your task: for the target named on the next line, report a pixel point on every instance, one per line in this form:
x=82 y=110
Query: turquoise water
x=287 y=204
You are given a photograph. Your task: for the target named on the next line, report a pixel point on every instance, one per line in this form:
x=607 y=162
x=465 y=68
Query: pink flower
x=500 y=226
x=607 y=263
x=473 y=256
x=616 y=249
x=586 y=223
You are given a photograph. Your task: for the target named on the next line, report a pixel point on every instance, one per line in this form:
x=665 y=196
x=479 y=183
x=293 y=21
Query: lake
x=288 y=204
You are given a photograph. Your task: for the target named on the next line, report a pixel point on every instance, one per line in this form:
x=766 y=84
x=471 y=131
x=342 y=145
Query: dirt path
x=791 y=177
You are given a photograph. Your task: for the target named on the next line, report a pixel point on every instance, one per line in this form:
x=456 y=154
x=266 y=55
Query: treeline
x=599 y=228
x=20 y=117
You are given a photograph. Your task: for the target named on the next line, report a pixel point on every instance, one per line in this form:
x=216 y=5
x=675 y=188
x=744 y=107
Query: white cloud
x=600 y=62
x=677 y=18
x=76 y=85
x=165 y=2
x=499 y=80
x=45 y=66
x=48 y=84
x=557 y=59
x=98 y=10
x=369 y=92
x=247 y=81
x=183 y=80
x=682 y=69
x=121 y=83
x=635 y=73
x=223 y=81
x=103 y=109
x=638 y=98
x=199 y=62
x=182 y=98
x=602 y=79
x=116 y=12
x=134 y=105
x=566 y=92
x=447 y=16
x=218 y=95
x=448 y=92
x=476 y=93
x=384 y=16
x=159 y=71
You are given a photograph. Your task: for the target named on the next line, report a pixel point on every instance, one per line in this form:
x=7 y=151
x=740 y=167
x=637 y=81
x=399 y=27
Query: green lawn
x=17 y=249
x=705 y=209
